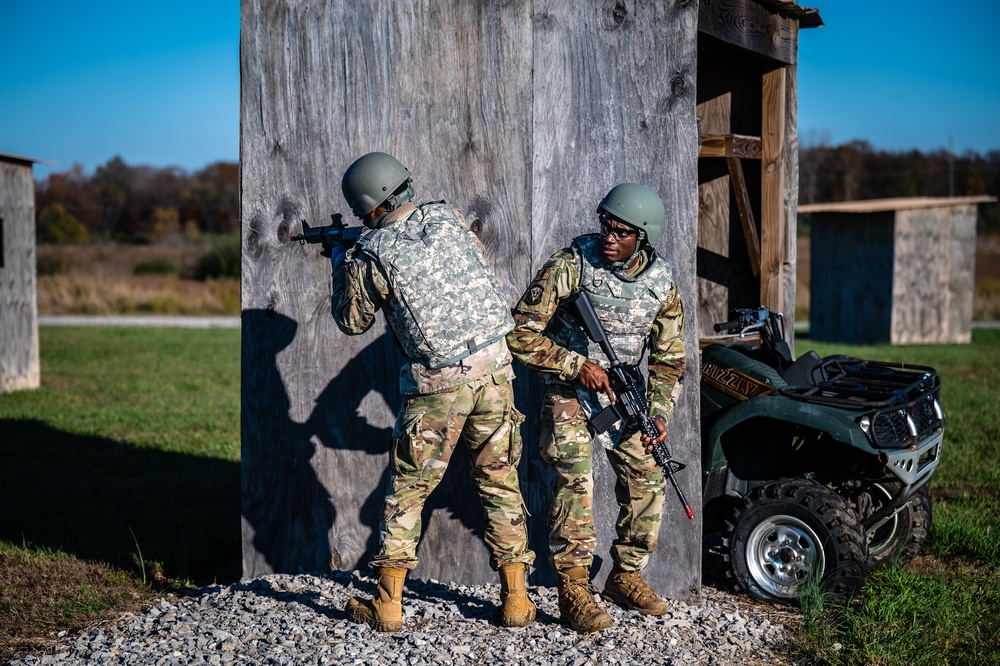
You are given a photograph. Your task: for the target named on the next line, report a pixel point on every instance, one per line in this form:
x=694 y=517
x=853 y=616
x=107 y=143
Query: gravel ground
x=285 y=619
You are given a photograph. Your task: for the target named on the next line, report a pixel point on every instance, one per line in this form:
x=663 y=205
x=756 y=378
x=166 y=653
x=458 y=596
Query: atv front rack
x=859 y=383
x=904 y=397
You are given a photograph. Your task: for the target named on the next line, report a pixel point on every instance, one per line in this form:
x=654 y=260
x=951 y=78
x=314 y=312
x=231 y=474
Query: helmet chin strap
x=642 y=249
x=640 y=241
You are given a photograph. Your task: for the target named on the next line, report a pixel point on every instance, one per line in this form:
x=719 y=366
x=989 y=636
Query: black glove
x=337 y=254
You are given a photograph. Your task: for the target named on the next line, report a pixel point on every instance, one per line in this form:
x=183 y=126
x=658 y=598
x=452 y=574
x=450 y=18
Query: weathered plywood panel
x=523 y=116
x=445 y=87
x=19 y=364
x=614 y=100
x=934 y=272
x=713 y=244
x=851 y=281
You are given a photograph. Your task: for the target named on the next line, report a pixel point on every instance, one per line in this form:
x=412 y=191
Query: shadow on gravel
x=107 y=501
x=311 y=600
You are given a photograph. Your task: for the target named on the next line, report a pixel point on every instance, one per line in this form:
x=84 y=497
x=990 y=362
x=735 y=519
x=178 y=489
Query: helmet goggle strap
x=400 y=196
x=403 y=194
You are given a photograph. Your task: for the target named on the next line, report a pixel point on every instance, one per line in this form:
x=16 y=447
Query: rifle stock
x=630 y=398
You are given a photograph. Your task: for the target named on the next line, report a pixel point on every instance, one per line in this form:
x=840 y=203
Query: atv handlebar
x=770 y=326
x=745 y=320
x=727 y=325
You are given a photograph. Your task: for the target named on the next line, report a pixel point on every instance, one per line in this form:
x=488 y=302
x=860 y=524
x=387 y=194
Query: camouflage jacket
x=560 y=278
x=363 y=286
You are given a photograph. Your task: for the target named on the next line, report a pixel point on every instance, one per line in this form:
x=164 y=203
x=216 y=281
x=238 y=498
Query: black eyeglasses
x=620 y=233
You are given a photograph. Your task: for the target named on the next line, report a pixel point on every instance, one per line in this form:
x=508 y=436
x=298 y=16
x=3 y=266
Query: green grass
x=124 y=467
x=942 y=608
x=127 y=458
x=133 y=432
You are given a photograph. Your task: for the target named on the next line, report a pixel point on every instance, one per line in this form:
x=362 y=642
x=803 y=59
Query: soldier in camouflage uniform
x=638 y=304
x=427 y=272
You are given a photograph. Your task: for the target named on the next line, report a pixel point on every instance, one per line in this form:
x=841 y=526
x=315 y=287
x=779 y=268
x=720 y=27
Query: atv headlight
x=865 y=423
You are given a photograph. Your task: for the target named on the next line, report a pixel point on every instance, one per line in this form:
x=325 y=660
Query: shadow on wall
x=89 y=495
x=289 y=509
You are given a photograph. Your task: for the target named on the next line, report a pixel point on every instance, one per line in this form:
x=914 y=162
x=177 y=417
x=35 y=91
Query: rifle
x=630 y=398
x=336 y=233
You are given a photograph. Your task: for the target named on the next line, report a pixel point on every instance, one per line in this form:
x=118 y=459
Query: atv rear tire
x=789 y=532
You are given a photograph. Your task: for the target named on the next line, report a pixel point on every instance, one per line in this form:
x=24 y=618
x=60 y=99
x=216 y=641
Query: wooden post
x=521 y=115
x=773 y=230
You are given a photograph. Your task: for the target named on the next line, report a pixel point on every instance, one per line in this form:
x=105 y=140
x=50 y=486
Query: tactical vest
x=446 y=301
x=626 y=308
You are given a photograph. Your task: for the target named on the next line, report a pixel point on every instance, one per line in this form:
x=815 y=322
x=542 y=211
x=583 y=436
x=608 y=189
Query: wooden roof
x=902 y=203
x=7 y=157
x=808 y=17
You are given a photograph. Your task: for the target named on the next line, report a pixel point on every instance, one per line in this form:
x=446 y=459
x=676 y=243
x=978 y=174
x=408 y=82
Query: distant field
x=130 y=279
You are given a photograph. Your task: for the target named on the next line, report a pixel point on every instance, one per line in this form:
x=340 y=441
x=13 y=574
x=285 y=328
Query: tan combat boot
x=630 y=591
x=516 y=609
x=385 y=611
x=577 y=604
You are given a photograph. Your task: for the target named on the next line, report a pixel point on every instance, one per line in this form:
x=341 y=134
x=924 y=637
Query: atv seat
x=807 y=370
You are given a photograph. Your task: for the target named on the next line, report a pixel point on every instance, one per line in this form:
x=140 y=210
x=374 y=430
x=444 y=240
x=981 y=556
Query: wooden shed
x=893 y=270
x=521 y=114
x=748 y=167
x=19 y=365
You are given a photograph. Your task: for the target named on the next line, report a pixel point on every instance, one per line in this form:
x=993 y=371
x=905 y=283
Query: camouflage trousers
x=426 y=435
x=566 y=444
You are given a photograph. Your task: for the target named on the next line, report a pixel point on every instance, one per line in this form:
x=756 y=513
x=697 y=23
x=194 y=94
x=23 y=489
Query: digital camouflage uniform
x=566 y=441
x=471 y=397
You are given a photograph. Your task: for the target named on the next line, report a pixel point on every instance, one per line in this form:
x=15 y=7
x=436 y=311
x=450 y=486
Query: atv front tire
x=790 y=532
x=902 y=537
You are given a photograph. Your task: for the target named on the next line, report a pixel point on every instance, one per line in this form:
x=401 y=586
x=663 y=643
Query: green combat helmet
x=374 y=179
x=637 y=206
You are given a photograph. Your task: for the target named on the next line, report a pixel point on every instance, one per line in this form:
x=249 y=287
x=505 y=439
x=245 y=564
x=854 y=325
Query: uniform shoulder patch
x=533 y=296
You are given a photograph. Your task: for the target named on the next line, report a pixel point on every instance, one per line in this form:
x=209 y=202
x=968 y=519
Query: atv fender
x=838 y=424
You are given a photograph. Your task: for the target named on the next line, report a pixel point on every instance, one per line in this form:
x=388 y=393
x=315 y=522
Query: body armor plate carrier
x=446 y=301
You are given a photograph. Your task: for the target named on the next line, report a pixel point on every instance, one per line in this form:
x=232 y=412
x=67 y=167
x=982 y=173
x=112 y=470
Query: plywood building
x=523 y=115
x=893 y=270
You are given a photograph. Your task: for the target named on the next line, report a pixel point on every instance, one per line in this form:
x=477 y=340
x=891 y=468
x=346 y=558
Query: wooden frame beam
x=734 y=148
x=773 y=212
x=730 y=145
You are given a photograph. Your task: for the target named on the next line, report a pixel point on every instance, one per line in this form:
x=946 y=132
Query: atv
x=816 y=469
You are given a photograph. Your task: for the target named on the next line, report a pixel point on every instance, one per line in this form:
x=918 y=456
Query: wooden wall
x=934 y=275
x=521 y=115
x=19 y=366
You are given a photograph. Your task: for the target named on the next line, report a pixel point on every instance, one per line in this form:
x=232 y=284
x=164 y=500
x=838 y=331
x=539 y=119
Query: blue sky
x=902 y=74
x=155 y=82
x=158 y=82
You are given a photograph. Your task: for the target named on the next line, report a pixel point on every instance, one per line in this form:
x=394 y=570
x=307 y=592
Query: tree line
x=857 y=171
x=144 y=204
x=137 y=204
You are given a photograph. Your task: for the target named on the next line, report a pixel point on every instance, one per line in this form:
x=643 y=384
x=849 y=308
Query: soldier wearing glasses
x=638 y=304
